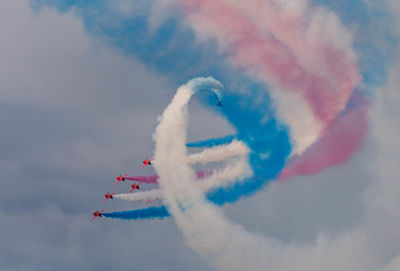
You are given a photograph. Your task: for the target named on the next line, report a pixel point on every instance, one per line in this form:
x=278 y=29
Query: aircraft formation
x=135 y=186
x=122 y=178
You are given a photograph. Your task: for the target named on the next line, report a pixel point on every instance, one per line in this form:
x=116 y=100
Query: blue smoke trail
x=212 y=142
x=151 y=212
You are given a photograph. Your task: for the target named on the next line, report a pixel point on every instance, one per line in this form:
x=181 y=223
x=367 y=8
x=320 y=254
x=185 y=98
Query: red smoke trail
x=341 y=139
x=154 y=178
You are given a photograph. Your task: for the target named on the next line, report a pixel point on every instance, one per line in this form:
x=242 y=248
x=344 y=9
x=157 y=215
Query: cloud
x=71 y=110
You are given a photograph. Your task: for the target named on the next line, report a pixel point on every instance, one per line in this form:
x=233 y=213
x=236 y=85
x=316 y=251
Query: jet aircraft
x=121 y=178
x=135 y=186
x=146 y=162
x=97 y=214
x=109 y=196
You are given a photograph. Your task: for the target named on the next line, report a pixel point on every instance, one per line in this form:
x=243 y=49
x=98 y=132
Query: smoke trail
x=211 y=142
x=151 y=212
x=218 y=153
x=282 y=58
x=153 y=178
x=236 y=171
x=341 y=139
x=233 y=173
x=145 y=196
x=207 y=84
x=143 y=179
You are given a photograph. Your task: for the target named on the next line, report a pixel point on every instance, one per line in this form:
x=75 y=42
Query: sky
x=83 y=85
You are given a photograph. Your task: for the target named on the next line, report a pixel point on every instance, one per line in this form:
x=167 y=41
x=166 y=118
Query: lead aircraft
x=146 y=162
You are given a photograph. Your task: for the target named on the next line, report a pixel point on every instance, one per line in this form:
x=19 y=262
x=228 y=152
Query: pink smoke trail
x=341 y=139
x=143 y=179
x=273 y=60
x=154 y=178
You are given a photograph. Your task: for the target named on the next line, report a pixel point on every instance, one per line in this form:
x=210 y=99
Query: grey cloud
x=74 y=115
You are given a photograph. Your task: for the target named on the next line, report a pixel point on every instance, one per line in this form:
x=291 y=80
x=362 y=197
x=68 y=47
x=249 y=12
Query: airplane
x=135 y=186
x=121 y=178
x=146 y=162
x=97 y=214
x=109 y=196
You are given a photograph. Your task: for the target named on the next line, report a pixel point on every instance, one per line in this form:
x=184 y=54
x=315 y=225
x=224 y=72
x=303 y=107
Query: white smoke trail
x=218 y=153
x=234 y=172
x=154 y=194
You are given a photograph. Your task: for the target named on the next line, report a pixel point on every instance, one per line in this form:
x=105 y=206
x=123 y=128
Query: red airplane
x=147 y=162
x=97 y=214
x=121 y=178
x=135 y=186
x=109 y=196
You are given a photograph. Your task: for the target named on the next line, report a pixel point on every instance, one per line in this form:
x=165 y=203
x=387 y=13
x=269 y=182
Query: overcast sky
x=75 y=113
